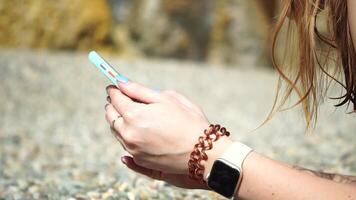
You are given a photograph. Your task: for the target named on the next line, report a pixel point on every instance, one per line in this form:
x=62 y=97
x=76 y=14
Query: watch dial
x=223 y=179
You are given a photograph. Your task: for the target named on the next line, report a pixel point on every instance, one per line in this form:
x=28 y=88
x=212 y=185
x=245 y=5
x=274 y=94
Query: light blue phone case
x=106 y=68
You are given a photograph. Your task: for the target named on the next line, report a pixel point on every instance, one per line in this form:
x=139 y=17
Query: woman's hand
x=159 y=130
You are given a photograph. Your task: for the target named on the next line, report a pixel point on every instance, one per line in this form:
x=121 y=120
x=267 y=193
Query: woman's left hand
x=159 y=129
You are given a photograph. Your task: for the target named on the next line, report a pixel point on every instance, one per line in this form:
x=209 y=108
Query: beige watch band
x=235 y=154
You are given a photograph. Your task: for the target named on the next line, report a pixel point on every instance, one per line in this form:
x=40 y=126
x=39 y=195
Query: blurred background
x=54 y=140
x=224 y=32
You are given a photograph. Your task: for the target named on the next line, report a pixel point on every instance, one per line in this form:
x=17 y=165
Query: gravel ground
x=55 y=143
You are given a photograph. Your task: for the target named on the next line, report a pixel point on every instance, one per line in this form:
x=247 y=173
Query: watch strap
x=236 y=153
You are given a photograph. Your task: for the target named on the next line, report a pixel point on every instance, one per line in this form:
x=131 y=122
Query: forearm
x=333 y=177
x=264 y=178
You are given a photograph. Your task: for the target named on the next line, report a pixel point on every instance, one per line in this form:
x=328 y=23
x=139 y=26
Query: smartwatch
x=226 y=173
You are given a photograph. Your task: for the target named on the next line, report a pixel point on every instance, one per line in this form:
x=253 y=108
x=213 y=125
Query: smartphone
x=106 y=68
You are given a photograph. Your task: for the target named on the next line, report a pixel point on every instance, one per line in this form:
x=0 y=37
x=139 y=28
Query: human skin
x=159 y=131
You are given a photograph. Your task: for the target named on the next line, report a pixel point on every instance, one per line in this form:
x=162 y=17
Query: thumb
x=130 y=163
x=179 y=180
x=139 y=92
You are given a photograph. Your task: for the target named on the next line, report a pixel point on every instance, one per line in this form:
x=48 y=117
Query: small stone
x=22 y=184
x=80 y=197
x=13 y=189
x=108 y=193
x=110 y=190
x=36 y=195
x=17 y=196
x=131 y=196
x=122 y=187
x=33 y=189
x=93 y=194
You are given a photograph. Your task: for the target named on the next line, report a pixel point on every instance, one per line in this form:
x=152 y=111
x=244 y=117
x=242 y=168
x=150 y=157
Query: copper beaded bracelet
x=195 y=167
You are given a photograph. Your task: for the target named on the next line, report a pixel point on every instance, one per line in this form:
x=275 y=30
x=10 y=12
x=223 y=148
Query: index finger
x=121 y=102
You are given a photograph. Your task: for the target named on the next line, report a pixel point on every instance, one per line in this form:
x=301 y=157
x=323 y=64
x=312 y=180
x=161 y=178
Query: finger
x=139 y=92
x=118 y=124
x=120 y=101
x=110 y=116
x=118 y=137
x=113 y=119
x=182 y=99
x=130 y=163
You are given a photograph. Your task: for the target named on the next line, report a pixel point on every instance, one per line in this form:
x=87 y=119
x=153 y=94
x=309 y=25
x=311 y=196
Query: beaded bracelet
x=195 y=167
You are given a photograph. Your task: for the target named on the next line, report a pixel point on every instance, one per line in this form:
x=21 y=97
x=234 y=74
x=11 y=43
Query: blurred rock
x=240 y=33
x=231 y=31
x=61 y=24
x=156 y=34
x=123 y=43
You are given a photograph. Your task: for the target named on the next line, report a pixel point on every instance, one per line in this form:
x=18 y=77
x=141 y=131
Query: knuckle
x=131 y=115
x=130 y=141
x=134 y=144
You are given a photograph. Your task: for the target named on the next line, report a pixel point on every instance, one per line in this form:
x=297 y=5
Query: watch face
x=223 y=178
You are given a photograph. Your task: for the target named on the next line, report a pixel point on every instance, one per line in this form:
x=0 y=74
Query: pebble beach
x=56 y=144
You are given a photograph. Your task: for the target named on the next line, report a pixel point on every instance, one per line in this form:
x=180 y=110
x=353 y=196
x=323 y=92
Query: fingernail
x=108 y=99
x=123 y=160
x=107 y=89
x=106 y=105
x=122 y=79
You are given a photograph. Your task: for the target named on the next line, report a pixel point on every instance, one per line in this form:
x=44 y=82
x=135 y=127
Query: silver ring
x=113 y=121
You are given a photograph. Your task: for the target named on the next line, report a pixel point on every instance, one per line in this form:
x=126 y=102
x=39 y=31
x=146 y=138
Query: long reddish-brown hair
x=311 y=58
